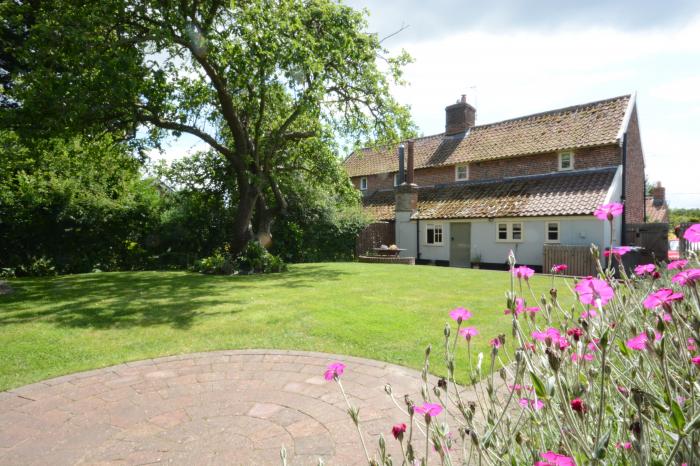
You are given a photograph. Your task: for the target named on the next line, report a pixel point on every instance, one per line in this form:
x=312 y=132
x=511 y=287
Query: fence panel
x=685 y=246
x=651 y=236
x=577 y=258
x=373 y=236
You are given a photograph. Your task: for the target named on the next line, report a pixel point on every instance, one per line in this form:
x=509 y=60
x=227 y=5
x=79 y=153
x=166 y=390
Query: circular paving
x=225 y=407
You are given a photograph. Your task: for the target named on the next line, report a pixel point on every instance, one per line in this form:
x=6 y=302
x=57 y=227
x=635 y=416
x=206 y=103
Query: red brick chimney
x=658 y=194
x=409 y=163
x=459 y=117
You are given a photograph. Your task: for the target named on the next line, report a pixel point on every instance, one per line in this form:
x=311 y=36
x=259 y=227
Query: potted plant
x=476 y=261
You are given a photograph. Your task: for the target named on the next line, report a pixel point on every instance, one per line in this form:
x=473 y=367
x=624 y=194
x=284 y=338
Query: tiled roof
x=656 y=214
x=586 y=125
x=572 y=193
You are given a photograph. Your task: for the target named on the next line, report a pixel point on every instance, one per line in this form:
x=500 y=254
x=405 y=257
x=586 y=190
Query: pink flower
x=584 y=357
x=523 y=272
x=551 y=333
x=579 y=406
x=589 y=313
x=677 y=265
x=557 y=268
x=593 y=345
x=618 y=251
x=666 y=317
x=431 y=409
x=691 y=345
x=608 y=211
x=638 y=343
x=695 y=360
x=534 y=404
x=590 y=289
x=644 y=269
x=520 y=308
x=555 y=459
x=468 y=332
x=663 y=297
x=398 y=430
x=692 y=234
x=687 y=277
x=460 y=314
x=624 y=446
x=334 y=370
x=496 y=342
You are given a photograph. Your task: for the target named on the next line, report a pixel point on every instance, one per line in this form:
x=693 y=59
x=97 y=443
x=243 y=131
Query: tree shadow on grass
x=129 y=299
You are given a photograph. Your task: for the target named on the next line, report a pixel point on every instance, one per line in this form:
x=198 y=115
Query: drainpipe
x=623 y=197
x=417 y=238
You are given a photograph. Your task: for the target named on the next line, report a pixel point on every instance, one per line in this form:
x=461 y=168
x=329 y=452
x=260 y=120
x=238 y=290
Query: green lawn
x=54 y=326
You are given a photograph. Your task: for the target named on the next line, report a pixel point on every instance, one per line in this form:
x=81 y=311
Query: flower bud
x=447 y=330
x=553 y=293
x=427 y=350
x=387 y=389
x=442 y=383
x=553 y=359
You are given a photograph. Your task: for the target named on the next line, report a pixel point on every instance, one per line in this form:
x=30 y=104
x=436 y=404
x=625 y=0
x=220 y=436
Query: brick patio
x=226 y=407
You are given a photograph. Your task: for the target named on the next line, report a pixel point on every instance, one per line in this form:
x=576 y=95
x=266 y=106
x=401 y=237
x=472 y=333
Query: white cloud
x=525 y=72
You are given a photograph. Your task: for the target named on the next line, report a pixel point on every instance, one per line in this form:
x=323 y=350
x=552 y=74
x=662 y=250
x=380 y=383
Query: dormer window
x=566 y=161
x=461 y=172
x=363 y=183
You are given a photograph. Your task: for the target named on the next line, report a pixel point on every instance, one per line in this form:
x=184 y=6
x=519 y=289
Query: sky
x=515 y=57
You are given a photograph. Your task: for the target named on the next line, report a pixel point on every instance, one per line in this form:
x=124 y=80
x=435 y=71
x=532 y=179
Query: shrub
x=613 y=380
x=256 y=259
x=38 y=267
x=219 y=263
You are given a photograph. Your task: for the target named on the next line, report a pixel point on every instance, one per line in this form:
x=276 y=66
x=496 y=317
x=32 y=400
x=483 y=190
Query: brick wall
x=634 y=173
x=603 y=156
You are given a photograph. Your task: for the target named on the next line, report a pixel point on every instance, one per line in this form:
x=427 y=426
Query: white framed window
x=396 y=178
x=551 y=234
x=566 y=161
x=363 y=183
x=510 y=232
x=461 y=172
x=433 y=234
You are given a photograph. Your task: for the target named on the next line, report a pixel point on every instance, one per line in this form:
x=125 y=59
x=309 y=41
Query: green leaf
x=677 y=417
x=623 y=349
x=539 y=386
x=602 y=446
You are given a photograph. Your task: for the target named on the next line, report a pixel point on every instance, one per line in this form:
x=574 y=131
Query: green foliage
x=256 y=259
x=79 y=204
x=218 y=263
x=678 y=216
x=269 y=86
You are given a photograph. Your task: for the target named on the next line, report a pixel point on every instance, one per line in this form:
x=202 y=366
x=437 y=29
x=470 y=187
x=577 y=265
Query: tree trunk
x=263 y=224
x=242 y=233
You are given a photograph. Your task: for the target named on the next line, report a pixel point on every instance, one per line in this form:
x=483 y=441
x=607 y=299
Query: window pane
x=502 y=231
x=517 y=231
x=462 y=172
x=431 y=235
x=438 y=234
x=565 y=161
x=553 y=232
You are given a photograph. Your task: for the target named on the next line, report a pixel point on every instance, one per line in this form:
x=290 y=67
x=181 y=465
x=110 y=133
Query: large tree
x=270 y=86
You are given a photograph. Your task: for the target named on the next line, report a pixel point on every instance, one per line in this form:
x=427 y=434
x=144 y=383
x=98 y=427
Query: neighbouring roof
x=656 y=213
x=571 y=193
x=587 y=125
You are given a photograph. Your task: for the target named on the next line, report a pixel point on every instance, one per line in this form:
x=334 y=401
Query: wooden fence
x=373 y=236
x=685 y=246
x=653 y=237
x=577 y=258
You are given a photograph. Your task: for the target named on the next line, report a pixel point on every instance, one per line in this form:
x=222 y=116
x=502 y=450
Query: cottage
x=475 y=192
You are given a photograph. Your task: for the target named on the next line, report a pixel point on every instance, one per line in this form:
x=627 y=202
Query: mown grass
x=55 y=326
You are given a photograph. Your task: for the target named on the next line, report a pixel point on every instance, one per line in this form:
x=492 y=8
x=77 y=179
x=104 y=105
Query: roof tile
x=572 y=193
x=586 y=125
